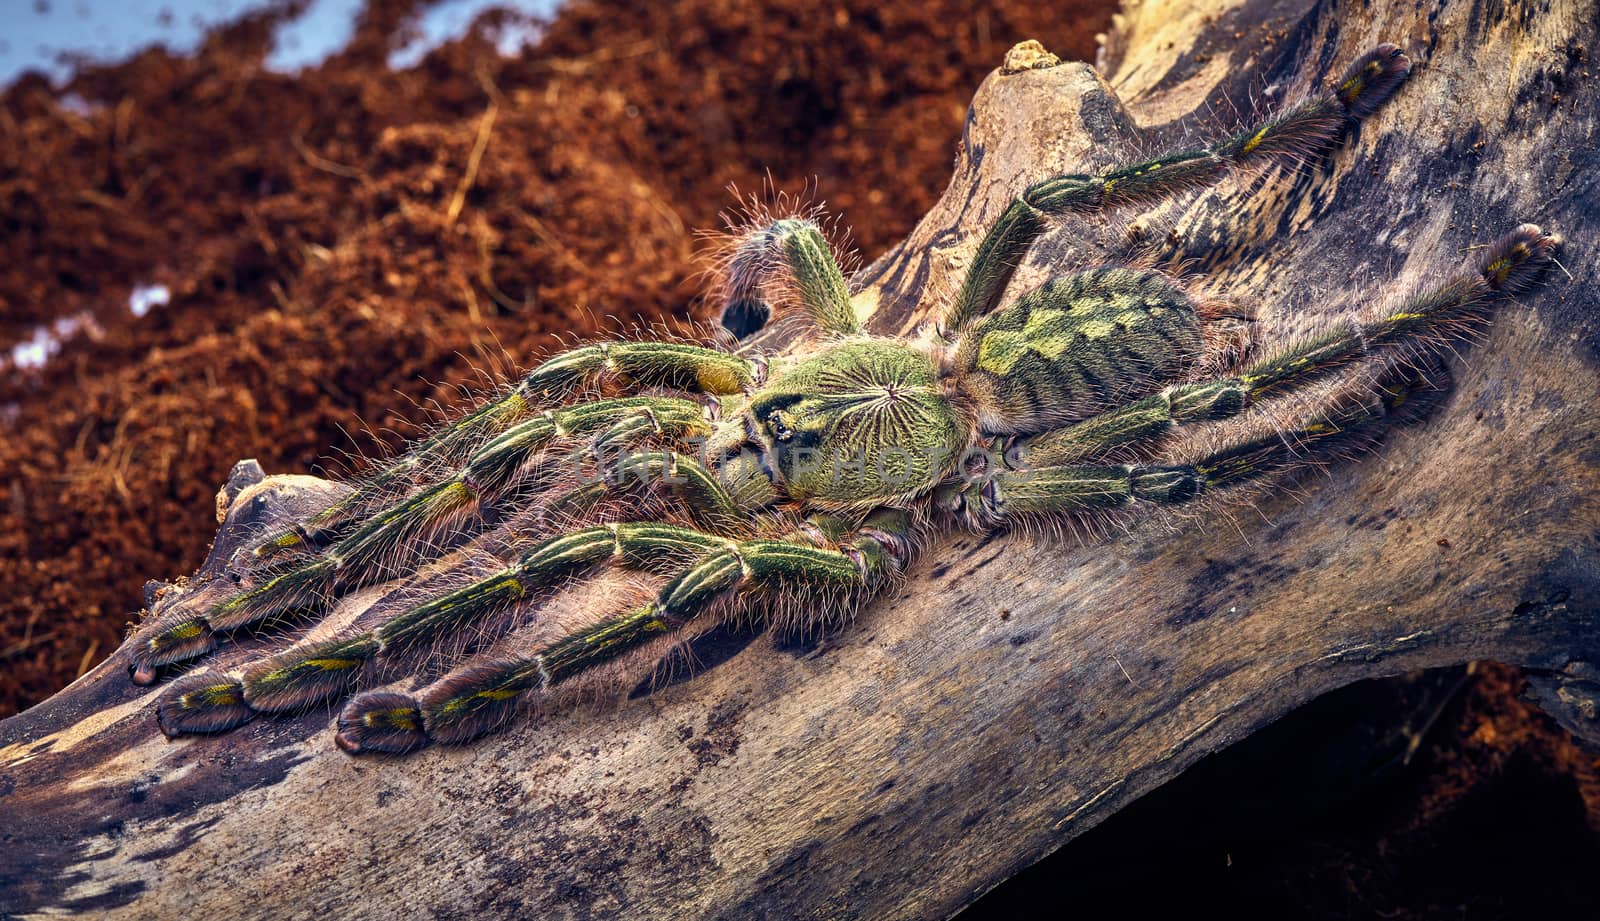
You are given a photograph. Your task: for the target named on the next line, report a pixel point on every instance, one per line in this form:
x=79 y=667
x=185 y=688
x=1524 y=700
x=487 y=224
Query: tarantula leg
x=479 y=698
x=1508 y=266
x=636 y=364
x=676 y=419
x=674 y=365
x=796 y=249
x=704 y=496
x=1138 y=422
x=500 y=463
x=211 y=702
x=354 y=560
x=170 y=639
x=324 y=525
x=1303 y=132
x=642 y=545
x=182 y=635
x=1010 y=494
x=318 y=671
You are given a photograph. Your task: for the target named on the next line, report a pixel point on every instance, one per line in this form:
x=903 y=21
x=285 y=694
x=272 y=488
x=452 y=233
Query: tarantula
x=801 y=485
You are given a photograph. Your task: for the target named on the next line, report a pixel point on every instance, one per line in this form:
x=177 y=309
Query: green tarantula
x=801 y=485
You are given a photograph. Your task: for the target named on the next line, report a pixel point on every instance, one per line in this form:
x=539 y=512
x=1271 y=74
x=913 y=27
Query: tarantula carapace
x=794 y=488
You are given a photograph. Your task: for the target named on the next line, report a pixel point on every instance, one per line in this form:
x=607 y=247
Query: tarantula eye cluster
x=743 y=483
x=778 y=422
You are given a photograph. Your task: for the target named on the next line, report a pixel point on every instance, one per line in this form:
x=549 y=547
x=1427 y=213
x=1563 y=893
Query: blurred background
x=292 y=231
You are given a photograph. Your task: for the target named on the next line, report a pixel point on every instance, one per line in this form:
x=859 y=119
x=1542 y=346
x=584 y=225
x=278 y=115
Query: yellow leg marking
x=398 y=718
x=218 y=695
x=461 y=703
x=1255 y=141
x=329 y=665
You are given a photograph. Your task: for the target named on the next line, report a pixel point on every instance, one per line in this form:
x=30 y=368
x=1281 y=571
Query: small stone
x=1028 y=55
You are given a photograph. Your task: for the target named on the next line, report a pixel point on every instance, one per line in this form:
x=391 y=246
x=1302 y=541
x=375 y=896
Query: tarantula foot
x=202 y=704
x=1514 y=262
x=381 y=722
x=183 y=640
x=1371 y=79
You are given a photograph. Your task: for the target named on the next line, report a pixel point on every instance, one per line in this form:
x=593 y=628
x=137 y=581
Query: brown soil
x=345 y=246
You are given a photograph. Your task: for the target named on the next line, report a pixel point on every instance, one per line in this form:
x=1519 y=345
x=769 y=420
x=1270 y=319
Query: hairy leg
x=1304 y=131
x=638 y=365
x=704 y=495
x=408 y=530
x=1067 y=489
x=482 y=695
x=313 y=672
x=1510 y=265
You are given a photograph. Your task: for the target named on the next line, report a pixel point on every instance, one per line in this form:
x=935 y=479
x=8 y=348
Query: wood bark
x=1014 y=692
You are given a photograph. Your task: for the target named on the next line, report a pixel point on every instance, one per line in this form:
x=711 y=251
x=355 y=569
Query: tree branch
x=1013 y=693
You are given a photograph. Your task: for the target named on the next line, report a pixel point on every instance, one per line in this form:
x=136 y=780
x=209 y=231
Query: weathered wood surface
x=1012 y=694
